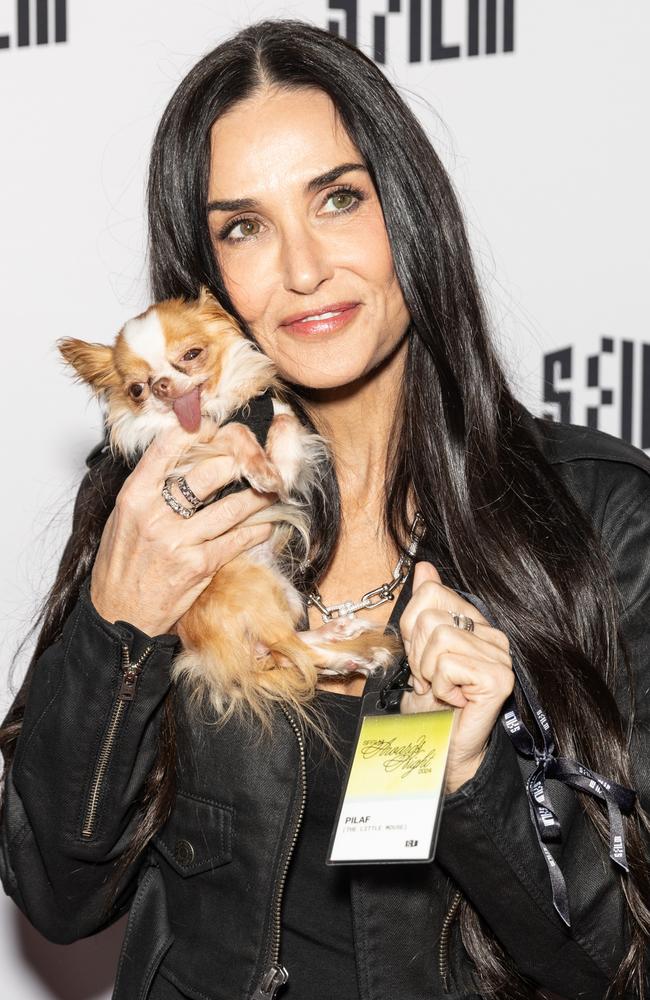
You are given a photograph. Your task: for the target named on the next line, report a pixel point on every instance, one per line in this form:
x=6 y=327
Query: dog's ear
x=210 y=306
x=93 y=363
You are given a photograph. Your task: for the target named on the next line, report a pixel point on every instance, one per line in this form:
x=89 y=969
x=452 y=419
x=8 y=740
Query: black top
x=317 y=946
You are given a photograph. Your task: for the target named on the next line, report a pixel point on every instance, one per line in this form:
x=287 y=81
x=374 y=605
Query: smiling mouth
x=318 y=325
x=329 y=312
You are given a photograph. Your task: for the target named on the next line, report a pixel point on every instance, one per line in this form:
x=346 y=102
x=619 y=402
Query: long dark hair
x=499 y=518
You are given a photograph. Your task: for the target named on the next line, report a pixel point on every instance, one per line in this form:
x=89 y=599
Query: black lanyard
x=547 y=765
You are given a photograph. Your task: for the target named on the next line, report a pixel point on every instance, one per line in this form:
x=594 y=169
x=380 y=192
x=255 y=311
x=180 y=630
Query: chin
x=334 y=377
x=336 y=362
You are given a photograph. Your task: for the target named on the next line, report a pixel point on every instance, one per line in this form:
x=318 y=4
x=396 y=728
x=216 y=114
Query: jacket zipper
x=276 y=975
x=443 y=950
x=130 y=675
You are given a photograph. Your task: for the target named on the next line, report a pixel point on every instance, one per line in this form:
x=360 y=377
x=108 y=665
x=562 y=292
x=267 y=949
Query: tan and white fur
x=190 y=362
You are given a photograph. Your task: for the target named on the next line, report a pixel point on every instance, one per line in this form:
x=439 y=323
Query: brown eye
x=136 y=390
x=191 y=354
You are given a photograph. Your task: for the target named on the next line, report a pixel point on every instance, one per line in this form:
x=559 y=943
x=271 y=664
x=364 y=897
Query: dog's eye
x=191 y=354
x=136 y=390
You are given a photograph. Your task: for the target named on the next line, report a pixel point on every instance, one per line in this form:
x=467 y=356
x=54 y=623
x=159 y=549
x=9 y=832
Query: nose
x=305 y=260
x=162 y=388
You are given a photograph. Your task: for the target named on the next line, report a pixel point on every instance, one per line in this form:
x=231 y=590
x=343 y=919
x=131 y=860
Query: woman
x=289 y=177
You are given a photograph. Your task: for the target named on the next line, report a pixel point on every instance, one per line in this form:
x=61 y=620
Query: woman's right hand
x=152 y=564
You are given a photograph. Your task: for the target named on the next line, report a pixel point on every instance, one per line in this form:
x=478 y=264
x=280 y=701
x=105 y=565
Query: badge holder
x=390 y=808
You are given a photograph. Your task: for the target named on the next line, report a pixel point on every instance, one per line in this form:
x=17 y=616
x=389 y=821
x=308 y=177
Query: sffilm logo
x=482 y=21
x=50 y=24
x=615 y=390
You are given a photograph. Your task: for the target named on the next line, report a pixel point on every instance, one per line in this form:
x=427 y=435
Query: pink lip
x=324 y=326
x=333 y=307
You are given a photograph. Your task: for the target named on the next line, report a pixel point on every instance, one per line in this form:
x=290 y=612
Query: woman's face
x=301 y=244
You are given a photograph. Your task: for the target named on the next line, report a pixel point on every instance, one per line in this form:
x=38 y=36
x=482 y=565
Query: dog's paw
x=347 y=627
x=265 y=481
x=351 y=665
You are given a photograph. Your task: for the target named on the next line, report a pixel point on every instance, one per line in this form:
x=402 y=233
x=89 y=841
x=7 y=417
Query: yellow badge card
x=391 y=804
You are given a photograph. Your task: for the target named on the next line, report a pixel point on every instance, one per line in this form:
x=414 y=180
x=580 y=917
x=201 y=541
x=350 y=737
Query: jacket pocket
x=197 y=836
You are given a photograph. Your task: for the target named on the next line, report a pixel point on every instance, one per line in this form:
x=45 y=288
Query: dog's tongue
x=188 y=409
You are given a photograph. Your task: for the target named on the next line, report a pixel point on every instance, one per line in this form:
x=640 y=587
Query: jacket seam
x=210 y=802
x=135 y=906
x=593 y=443
x=168 y=973
x=153 y=964
x=600 y=457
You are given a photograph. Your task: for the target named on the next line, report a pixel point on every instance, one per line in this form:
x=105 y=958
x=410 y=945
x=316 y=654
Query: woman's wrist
x=113 y=611
x=458 y=775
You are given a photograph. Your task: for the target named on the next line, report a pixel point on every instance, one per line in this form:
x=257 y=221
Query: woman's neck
x=358 y=421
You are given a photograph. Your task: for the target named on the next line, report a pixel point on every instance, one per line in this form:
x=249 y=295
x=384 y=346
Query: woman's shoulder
x=601 y=469
x=564 y=443
x=610 y=480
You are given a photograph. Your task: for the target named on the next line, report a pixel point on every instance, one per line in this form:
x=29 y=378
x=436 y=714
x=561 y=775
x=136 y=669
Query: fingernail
x=418 y=686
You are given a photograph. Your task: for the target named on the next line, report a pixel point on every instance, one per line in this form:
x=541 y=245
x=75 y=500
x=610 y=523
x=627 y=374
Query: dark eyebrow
x=246 y=204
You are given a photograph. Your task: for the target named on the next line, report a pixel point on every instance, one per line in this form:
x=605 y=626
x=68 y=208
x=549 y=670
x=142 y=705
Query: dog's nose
x=162 y=388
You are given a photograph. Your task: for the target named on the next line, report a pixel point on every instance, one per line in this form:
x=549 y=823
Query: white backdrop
x=548 y=148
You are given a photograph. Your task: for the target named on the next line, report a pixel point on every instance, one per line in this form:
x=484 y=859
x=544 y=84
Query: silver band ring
x=462 y=621
x=177 y=507
x=191 y=497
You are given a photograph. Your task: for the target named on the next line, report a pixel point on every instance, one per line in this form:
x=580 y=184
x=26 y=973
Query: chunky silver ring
x=462 y=621
x=191 y=497
x=174 y=504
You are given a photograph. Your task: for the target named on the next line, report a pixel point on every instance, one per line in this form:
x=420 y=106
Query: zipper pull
x=131 y=673
x=271 y=981
x=129 y=683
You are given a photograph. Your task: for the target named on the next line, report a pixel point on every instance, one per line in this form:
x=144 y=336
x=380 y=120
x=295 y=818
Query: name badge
x=392 y=799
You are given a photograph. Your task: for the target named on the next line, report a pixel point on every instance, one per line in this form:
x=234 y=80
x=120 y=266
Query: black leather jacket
x=206 y=893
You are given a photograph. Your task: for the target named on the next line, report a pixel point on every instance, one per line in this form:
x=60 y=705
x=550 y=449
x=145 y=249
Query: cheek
x=371 y=258
x=380 y=257
x=248 y=296
x=380 y=271
x=362 y=248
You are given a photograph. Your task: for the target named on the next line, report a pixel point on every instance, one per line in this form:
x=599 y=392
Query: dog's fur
x=189 y=361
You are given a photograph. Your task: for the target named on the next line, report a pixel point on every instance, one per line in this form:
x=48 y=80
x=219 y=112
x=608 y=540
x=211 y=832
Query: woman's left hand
x=471 y=671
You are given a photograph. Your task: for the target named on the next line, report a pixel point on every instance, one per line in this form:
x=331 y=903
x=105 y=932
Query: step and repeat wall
x=539 y=110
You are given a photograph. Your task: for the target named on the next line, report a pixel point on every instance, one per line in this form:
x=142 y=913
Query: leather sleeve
x=56 y=875
x=487 y=841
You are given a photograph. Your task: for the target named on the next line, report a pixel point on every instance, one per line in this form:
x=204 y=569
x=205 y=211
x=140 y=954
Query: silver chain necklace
x=380 y=594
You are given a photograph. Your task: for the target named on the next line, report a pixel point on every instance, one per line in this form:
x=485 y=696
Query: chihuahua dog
x=188 y=361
